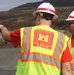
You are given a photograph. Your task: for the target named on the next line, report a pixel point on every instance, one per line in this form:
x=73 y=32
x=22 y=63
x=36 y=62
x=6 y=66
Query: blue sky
x=9 y=4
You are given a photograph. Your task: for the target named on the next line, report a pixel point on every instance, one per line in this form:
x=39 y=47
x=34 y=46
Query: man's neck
x=45 y=22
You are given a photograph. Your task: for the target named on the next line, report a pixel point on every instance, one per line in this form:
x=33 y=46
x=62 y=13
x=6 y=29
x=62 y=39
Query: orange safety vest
x=41 y=51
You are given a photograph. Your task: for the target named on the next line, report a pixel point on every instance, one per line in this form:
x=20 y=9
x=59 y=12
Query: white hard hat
x=70 y=17
x=47 y=8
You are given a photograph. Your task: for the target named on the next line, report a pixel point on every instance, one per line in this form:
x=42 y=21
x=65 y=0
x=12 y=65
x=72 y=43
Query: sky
x=6 y=5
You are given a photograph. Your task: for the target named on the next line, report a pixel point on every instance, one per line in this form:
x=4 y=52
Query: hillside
x=22 y=17
x=53 y=2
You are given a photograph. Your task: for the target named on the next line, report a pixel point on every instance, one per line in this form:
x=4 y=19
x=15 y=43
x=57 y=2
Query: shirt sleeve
x=15 y=37
x=66 y=57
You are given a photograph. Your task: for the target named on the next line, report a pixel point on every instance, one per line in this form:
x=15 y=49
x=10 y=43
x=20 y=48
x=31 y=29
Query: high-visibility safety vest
x=72 y=53
x=41 y=51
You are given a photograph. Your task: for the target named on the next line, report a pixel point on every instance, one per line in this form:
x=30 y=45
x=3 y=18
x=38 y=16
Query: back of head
x=47 y=16
x=47 y=9
x=70 y=17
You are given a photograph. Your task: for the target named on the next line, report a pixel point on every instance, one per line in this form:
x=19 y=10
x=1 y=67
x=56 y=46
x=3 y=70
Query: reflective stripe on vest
x=59 y=46
x=26 y=38
x=38 y=57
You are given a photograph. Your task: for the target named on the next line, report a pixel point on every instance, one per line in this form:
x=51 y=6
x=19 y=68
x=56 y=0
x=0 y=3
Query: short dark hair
x=47 y=16
x=44 y=15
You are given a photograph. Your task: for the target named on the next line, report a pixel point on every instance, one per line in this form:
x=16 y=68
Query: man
x=70 y=21
x=42 y=49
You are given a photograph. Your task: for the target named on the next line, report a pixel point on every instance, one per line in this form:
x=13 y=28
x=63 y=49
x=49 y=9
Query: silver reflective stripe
x=59 y=46
x=26 y=38
x=39 y=58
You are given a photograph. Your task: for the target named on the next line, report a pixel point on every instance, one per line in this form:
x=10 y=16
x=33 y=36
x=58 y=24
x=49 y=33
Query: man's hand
x=66 y=68
x=1 y=26
x=4 y=32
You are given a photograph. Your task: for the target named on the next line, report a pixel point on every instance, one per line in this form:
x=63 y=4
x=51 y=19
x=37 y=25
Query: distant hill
x=53 y=2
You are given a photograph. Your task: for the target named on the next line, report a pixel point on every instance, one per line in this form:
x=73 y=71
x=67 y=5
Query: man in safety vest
x=43 y=51
x=70 y=21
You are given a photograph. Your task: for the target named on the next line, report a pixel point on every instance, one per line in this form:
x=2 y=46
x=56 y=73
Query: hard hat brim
x=55 y=17
x=69 y=19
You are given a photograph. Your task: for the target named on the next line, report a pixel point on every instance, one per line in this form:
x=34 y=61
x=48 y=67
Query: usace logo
x=43 y=38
